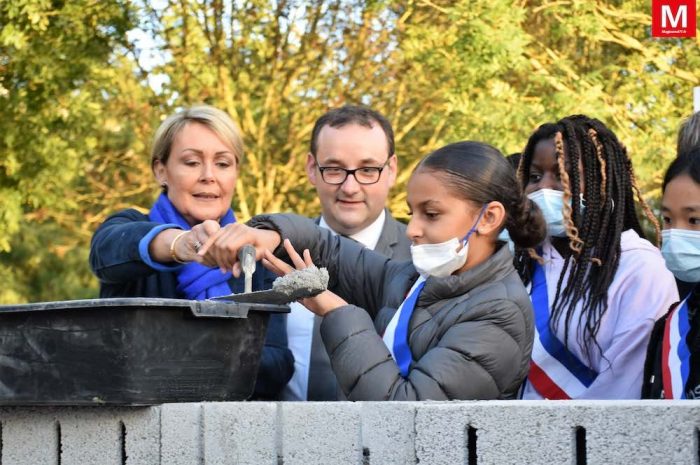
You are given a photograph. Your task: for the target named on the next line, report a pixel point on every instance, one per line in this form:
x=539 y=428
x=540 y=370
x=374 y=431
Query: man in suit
x=352 y=165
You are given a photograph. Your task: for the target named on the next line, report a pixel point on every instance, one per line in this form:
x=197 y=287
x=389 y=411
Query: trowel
x=246 y=257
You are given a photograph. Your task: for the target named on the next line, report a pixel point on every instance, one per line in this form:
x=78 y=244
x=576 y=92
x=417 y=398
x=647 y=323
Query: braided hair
x=593 y=232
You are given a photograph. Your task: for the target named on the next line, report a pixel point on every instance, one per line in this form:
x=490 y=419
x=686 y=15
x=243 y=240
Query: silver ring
x=197 y=245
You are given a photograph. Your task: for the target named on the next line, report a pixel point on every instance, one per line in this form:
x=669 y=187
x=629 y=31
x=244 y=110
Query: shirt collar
x=368 y=236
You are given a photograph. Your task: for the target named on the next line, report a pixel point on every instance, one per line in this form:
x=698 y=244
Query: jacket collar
x=495 y=268
x=390 y=233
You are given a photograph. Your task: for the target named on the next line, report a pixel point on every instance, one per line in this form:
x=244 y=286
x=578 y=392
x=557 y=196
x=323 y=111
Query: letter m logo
x=673 y=18
x=668 y=18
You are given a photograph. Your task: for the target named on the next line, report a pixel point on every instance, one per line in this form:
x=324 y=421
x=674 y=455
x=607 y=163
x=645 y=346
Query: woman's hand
x=177 y=245
x=200 y=235
x=221 y=249
x=321 y=304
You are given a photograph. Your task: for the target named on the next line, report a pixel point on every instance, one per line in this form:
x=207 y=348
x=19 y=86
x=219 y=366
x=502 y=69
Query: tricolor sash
x=675 y=352
x=555 y=372
x=396 y=334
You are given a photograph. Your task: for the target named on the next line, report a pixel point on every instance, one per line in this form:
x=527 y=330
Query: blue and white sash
x=555 y=372
x=396 y=333
x=675 y=352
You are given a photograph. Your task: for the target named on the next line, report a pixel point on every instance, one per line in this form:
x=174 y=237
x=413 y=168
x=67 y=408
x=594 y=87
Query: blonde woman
x=196 y=158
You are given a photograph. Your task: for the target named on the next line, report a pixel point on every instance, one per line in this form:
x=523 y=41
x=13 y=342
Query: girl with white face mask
x=672 y=370
x=456 y=322
x=597 y=285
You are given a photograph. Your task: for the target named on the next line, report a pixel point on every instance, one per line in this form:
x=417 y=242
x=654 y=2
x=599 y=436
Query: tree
x=49 y=55
x=86 y=80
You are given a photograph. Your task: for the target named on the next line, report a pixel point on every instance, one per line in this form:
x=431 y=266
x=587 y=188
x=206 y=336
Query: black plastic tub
x=136 y=351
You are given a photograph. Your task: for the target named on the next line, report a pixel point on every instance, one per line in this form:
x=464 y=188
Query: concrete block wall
x=362 y=433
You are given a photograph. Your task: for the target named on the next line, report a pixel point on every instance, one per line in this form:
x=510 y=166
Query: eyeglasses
x=366 y=175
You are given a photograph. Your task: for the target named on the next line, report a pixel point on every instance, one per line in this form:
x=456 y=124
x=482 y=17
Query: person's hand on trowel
x=222 y=248
x=237 y=247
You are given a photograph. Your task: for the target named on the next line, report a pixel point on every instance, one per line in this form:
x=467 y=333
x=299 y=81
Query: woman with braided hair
x=597 y=285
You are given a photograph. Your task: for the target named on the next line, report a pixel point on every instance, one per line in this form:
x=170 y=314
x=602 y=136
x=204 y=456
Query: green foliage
x=51 y=266
x=49 y=54
x=80 y=103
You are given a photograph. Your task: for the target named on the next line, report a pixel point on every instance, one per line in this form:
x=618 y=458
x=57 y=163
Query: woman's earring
x=164 y=186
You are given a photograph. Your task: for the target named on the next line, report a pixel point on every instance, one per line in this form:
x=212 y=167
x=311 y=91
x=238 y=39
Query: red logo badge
x=673 y=18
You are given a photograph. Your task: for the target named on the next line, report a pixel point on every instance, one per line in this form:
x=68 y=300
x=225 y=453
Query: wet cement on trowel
x=294 y=286
x=311 y=278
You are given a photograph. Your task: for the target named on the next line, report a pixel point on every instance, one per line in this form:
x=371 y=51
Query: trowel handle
x=246 y=255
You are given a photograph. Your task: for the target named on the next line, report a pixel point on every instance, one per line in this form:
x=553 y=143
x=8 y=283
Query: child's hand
x=321 y=304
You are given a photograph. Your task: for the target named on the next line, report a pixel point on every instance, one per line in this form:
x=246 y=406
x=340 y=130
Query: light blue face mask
x=551 y=203
x=681 y=250
x=505 y=237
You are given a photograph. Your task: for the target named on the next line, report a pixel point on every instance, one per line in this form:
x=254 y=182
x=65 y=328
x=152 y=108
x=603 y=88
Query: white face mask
x=442 y=259
x=439 y=260
x=681 y=250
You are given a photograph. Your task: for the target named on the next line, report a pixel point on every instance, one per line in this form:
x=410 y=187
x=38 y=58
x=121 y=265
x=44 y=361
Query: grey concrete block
x=240 y=433
x=544 y=432
x=181 y=434
x=388 y=432
x=653 y=432
x=320 y=433
x=29 y=436
x=513 y=432
x=90 y=435
x=141 y=429
x=533 y=432
x=440 y=433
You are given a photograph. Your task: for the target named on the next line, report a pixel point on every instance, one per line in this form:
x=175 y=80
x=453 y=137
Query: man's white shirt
x=300 y=322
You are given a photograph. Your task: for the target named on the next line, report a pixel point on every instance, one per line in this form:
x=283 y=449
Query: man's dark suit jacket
x=323 y=385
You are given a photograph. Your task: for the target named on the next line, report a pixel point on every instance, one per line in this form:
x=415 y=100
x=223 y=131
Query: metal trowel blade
x=270 y=296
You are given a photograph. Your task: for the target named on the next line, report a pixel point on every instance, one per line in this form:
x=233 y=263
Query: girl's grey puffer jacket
x=470 y=334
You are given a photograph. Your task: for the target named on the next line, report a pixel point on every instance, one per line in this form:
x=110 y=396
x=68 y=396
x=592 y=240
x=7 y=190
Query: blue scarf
x=196 y=281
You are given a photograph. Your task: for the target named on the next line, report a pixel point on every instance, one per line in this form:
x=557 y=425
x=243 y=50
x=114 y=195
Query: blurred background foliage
x=84 y=84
